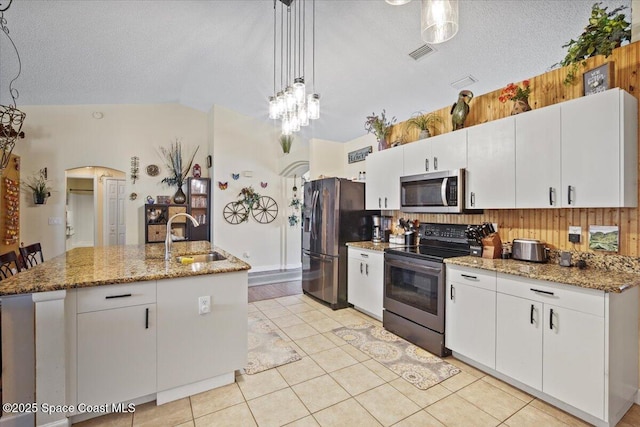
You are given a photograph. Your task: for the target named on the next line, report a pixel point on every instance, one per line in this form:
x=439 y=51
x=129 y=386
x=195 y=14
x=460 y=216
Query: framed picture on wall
x=598 y=79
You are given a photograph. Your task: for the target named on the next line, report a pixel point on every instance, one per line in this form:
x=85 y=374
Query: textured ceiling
x=200 y=53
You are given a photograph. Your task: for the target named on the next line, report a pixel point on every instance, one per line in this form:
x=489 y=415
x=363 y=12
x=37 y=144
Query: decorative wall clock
x=153 y=170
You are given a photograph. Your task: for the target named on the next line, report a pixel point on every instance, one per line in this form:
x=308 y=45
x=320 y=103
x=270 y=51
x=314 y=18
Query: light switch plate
x=55 y=220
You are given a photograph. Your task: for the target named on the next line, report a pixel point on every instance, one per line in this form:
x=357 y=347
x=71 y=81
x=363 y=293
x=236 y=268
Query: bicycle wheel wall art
x=263 y=209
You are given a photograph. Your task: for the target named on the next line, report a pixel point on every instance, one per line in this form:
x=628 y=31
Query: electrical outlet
x=55 y=220
x=574 y=234
x=204 y=304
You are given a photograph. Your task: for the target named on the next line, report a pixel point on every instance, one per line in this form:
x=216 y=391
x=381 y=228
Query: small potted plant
x=605 y=32
x=519 y=95
x=178 y=170
x=380 y=127
x=285 y=143
x=425 y=123
x=39 y=185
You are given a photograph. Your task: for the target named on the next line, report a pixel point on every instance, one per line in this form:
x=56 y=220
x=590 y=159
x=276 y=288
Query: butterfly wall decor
x=223 y=185
x=235 y=176
x=263 y=184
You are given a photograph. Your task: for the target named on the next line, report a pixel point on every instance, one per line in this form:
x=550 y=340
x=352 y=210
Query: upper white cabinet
x=599 y=150
x=384 y=169
x=491 y=162
x=538 y=161
x=443 y=152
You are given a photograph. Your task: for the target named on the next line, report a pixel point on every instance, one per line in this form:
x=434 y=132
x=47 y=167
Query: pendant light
x=291 y=104
x=439 y=20
x=11 y=119
x=397 y=2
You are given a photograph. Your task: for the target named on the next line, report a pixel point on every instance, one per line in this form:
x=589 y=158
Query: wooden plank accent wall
x=549 y=225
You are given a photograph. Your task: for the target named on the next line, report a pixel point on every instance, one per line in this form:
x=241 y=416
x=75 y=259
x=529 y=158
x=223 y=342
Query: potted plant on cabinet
x=425 y=122
x=39 y=185
x=177 y=170
x=605 y=32
x=380 y=127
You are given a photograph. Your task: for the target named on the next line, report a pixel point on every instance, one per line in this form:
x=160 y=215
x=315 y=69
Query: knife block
x=492 y=246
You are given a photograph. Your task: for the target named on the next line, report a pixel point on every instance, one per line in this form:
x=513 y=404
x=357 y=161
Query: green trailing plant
x=285 y=142
x=178 y=169
x=605 y=32
x=425 y=122
x=379 y=126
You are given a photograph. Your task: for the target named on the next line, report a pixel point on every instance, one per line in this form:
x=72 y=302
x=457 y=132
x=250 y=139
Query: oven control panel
x=446 y=232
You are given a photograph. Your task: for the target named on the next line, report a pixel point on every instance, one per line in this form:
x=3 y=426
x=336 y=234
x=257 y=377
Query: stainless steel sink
x=211 y=256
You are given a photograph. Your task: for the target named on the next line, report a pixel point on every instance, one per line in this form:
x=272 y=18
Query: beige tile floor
x=334 y=384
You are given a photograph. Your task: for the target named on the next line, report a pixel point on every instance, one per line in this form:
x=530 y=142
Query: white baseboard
x=637 y=399
x=195 y=388
x=18 y=420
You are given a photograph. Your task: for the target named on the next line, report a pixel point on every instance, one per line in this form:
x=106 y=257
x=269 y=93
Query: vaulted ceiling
x=200 y=53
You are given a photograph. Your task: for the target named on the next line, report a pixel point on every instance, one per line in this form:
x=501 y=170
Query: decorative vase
x=382 y=144
x=179 y=198
x=520 y=106
x=424 y=133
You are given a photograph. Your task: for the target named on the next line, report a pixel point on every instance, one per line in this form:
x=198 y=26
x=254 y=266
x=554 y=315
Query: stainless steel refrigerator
x=333 y=214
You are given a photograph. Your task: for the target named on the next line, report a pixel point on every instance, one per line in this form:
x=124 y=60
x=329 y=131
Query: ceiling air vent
x=464 y=82
x=422 y=51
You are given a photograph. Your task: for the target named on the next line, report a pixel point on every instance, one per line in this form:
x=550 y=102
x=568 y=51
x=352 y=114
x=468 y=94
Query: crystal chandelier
x=11 y=119
x=439 y=20
x=291 y=103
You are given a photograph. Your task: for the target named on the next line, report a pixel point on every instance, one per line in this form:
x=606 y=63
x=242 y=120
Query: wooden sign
x=359 y=155
x=598 y=79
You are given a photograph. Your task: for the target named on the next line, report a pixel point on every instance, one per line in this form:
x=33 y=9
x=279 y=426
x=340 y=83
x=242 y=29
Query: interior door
x=114 y=218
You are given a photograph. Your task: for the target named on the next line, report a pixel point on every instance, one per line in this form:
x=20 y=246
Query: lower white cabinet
x=566 y=344
x=470 y=324
x=116 y=343
x=365 y=281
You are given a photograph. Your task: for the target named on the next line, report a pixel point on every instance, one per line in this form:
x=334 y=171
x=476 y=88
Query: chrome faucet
x=168 y=240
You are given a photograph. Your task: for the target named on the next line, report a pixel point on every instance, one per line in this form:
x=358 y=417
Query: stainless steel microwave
x=434 y=192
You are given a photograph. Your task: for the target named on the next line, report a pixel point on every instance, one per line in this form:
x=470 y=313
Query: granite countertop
x=106 y=265
x=373 y=246
x=606 y=280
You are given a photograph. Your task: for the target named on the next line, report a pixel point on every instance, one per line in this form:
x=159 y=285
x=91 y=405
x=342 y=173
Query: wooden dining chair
x=30 y=255
x=9 y=265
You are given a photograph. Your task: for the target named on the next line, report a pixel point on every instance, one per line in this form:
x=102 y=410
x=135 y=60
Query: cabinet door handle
x=360 y=268
x=385 y=202
x=117 y=296
x=426 y=165
x=366 y=269
x=551 y=196
x=435 y=163
x=473 y=198
x=380 y=202
x=452 y=292
x=541 y=292
x=466 y=276
x=364 y=255
x=551 y=318
x=146 y=318
x=569 y=188
x=531 y=315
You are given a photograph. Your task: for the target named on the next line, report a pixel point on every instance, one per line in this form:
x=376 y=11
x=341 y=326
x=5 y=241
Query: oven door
x=414 y=289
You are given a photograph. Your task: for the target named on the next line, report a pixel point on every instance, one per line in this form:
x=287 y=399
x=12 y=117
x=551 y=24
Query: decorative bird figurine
x=460 y=109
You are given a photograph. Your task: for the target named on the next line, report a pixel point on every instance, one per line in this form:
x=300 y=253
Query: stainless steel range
x=414 y=285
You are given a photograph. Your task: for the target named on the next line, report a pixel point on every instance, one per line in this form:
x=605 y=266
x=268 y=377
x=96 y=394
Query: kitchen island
x=120 y=324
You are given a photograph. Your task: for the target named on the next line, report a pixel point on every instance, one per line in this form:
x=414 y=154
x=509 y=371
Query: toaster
x=529 y=250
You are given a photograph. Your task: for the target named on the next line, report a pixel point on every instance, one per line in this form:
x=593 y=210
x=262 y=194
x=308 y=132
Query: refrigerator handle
x=314 y=201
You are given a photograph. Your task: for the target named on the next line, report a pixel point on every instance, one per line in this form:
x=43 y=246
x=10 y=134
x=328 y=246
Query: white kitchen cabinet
x=491 y=162
x=519 y=339
x=538 y=177
x=384 y=169
x=116 y=343
x=193 y=347
x=470 y=324
x=365 y=281
x=438 y=153
x=599 y=150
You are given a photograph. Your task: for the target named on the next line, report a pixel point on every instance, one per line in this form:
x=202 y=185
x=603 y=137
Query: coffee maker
x=381 y=228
